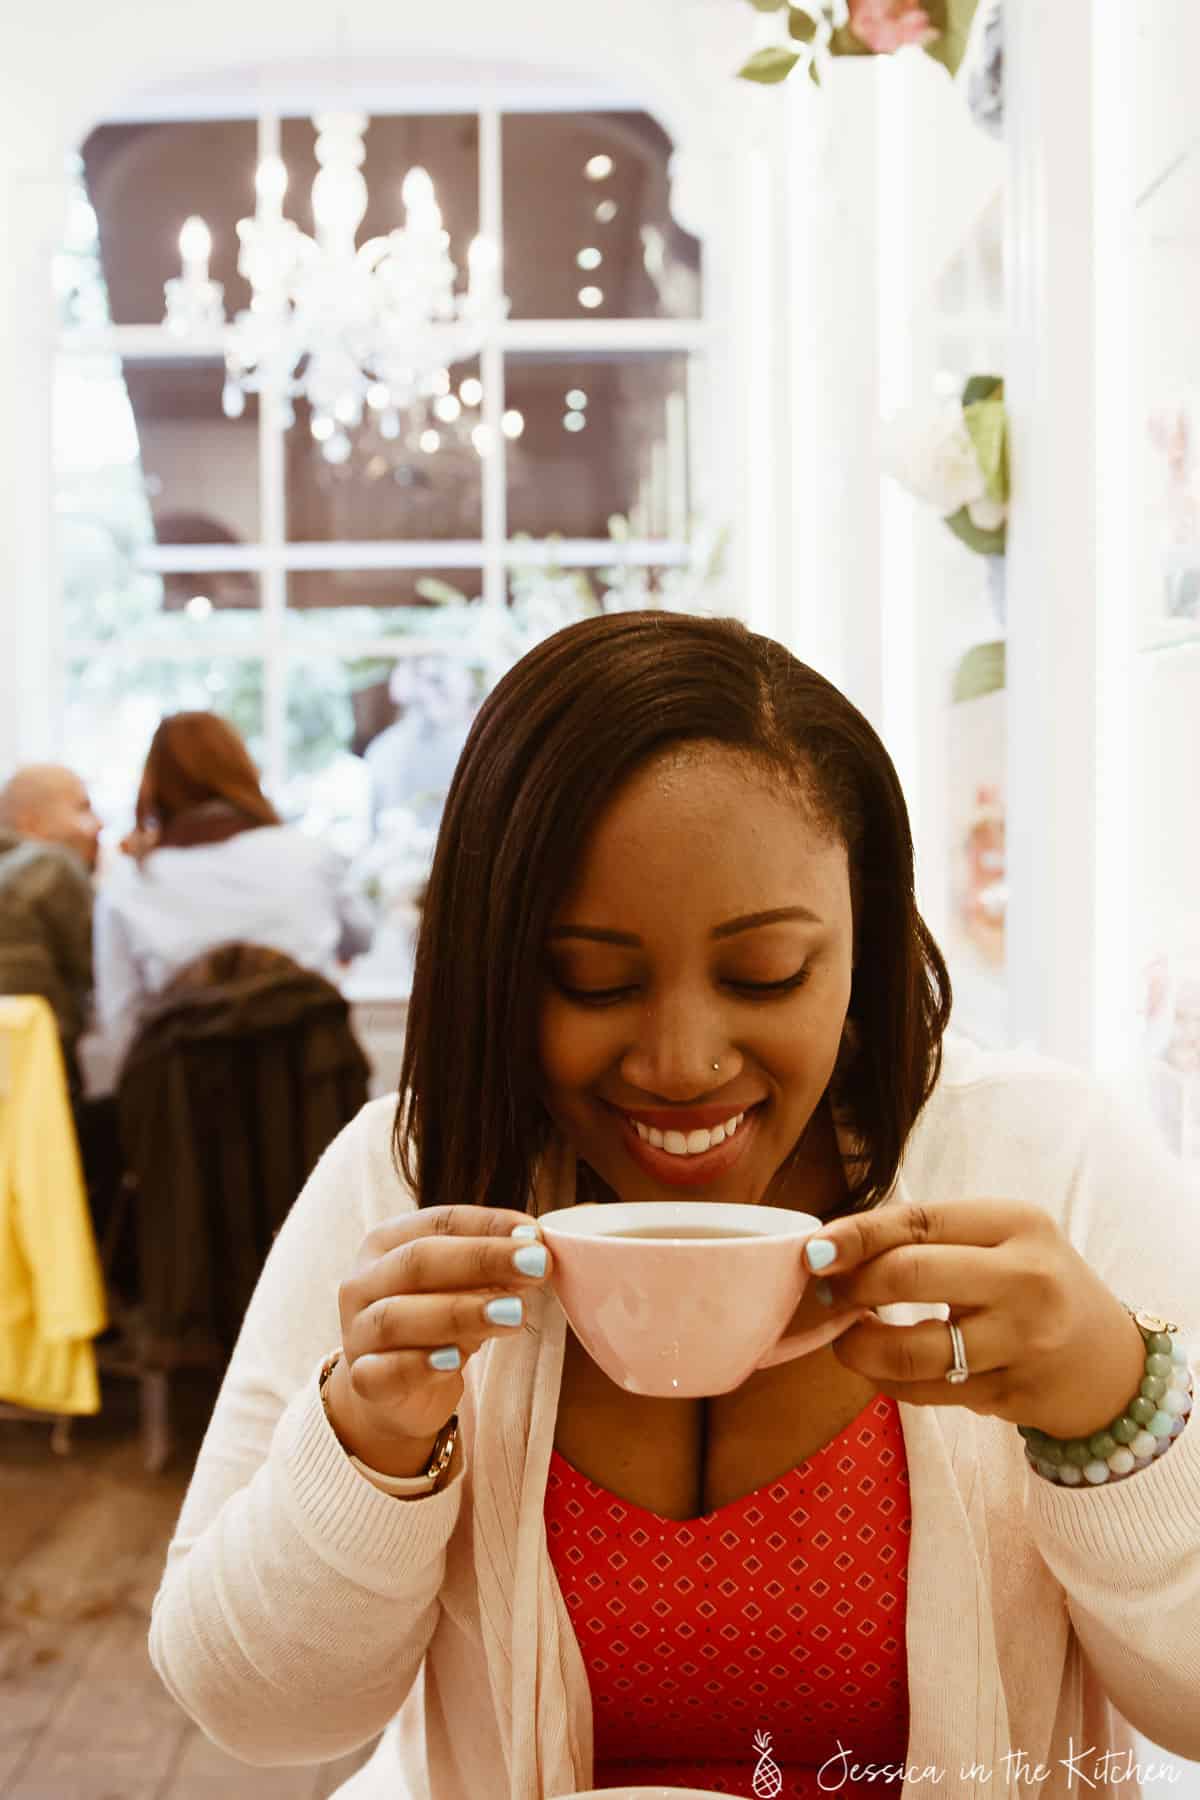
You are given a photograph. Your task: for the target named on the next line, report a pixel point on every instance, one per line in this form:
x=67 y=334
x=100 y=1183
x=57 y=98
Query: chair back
x=239 y=1079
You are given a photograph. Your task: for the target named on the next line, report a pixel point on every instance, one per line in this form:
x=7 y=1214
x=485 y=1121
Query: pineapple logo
x=767 y=1780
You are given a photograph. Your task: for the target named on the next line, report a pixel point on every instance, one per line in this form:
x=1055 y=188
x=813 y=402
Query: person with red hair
x=210 y=862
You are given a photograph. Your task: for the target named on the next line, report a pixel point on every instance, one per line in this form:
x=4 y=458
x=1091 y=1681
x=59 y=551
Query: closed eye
x=753 y=989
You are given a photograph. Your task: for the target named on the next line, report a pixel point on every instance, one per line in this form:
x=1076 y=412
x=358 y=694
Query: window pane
x=602 y=436
x=372 y=738
x=362 y=603
x=200 y=468
x=144 y=181
x=588 y=231
x=114 y=702
x=424 y=482
x=445 y=145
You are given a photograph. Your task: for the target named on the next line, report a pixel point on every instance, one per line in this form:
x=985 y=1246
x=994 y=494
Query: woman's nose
x=678 y=1054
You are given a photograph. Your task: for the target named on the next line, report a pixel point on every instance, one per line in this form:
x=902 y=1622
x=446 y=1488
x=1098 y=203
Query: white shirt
x=273 y=886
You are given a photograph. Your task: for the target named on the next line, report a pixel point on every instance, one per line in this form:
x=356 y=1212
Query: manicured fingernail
x=507 y=1310
x=525 y=1231
x=445 y=1359
x=820 y=1253
x=824 y=1293
x=531 y=1260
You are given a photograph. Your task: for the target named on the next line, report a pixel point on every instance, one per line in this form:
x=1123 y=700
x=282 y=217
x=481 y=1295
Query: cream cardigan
x=302 y=1611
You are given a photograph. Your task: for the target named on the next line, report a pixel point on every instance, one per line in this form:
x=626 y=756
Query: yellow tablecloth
x=51 y=1286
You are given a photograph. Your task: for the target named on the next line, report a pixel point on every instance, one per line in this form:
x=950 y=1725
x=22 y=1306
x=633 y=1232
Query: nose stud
x=716 y=1068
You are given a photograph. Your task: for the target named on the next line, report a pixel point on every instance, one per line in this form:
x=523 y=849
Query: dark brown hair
x=549 y=748
x=194 y=758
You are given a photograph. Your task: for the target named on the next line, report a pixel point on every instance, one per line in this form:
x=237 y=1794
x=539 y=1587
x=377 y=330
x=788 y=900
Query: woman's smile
x=690 y=1148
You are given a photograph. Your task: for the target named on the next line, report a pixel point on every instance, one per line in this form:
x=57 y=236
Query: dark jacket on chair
x=241 y=1075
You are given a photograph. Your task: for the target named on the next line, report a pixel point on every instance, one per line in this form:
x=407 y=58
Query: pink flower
x=887 y=25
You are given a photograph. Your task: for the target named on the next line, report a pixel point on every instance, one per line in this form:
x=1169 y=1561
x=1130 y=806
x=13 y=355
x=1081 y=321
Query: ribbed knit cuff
x=370 y=1537
x=1152 y=1514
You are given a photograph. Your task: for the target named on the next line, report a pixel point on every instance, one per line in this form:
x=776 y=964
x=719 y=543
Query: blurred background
x=889 y=354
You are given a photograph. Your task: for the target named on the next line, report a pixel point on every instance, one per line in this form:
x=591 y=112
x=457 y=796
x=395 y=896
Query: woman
x=674 y=883
x=210 y=863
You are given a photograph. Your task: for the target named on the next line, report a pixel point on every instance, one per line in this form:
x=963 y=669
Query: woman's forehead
x=711 y=831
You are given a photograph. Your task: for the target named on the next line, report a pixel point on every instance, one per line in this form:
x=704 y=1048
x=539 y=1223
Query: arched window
x=233 y=562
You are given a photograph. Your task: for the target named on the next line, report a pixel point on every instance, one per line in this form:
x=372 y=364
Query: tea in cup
x=685 y=1298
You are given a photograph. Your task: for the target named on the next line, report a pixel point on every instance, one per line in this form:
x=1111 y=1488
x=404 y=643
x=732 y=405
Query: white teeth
x=694 y=1143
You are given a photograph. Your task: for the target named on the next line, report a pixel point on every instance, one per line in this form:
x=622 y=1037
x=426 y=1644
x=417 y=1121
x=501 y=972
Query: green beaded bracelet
x=1154 y=1415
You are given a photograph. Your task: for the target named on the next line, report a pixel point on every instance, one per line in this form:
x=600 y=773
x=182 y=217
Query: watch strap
x=400 y=1486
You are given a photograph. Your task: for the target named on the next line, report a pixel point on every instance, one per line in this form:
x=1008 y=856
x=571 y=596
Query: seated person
x=49 y=843
x=210 y=863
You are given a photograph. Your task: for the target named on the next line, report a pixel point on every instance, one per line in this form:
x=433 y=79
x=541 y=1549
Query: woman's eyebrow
x=598 y=934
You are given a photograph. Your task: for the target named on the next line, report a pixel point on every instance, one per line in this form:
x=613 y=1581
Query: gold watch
x=402 y=1486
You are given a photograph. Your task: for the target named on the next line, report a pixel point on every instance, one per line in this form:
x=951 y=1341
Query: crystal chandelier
x=348 y=327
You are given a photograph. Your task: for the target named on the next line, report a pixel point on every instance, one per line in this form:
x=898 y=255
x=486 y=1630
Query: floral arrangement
x=812 y=30
x=954 y=456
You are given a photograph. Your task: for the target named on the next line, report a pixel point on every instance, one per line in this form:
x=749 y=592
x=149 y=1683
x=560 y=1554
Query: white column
x=833 y=323
x=1052 y=626
x=32 y=212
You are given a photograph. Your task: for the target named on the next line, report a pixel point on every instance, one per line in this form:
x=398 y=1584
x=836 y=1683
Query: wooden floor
x=82 y=1542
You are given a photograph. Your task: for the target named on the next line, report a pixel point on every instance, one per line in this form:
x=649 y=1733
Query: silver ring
x=958 y=1370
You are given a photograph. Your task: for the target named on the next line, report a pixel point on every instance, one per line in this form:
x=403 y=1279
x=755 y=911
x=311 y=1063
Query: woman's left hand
x=1047 y=1343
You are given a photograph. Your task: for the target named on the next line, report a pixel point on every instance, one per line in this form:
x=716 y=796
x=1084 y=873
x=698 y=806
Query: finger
x=915 y=1355
x=396 y=1377
x=441 y=1221
x=856 y=1239
x=434 y=1321
x=962 y=1277
x=439 y=1265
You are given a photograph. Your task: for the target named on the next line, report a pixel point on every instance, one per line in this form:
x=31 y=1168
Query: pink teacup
x=694 y=1307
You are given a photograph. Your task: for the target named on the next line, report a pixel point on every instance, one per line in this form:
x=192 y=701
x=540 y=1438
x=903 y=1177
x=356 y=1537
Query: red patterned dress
x=743 y=1650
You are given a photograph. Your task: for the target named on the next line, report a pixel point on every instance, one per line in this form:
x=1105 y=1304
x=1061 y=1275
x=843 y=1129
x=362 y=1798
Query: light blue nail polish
x=445 y=1360
x=507 y=1310
x=820 y=1253
x=525 y=1231
x=530 y=1260
x=824 y=1293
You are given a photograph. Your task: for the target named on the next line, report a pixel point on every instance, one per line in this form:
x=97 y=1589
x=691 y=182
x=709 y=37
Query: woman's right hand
x=421 y=1288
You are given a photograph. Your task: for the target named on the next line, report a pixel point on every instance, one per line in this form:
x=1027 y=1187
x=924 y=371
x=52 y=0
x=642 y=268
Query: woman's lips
x=689 y=1171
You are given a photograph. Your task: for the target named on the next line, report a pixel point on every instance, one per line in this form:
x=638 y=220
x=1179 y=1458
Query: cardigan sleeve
x=1128 y=1553
x=298 y=1600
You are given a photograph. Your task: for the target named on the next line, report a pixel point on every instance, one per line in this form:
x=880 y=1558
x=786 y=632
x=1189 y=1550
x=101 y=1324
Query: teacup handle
x=802 y=1342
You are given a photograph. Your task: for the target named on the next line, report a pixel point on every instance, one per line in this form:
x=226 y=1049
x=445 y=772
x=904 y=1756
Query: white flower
x=929 y=451
x=989 y=515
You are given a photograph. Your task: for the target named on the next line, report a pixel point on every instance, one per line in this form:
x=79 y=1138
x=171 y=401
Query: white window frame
x=272 y=557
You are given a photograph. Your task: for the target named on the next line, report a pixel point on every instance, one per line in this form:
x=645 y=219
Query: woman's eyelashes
x=613 y=996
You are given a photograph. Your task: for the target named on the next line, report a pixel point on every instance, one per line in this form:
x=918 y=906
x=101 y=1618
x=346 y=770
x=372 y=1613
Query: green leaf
x=801 y=25
x=430 y=589
x=769 y=67
x=981 y=671
x=982 y=387
x=844 y=43
x=814 y=71
x=987 y=425
x=953 y=21
x=768 y=5
x=984 y=543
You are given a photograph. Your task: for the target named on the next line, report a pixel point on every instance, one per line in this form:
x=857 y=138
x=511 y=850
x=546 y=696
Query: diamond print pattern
x=803 y=1577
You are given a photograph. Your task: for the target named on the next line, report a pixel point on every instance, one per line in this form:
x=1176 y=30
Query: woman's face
x=709 y=922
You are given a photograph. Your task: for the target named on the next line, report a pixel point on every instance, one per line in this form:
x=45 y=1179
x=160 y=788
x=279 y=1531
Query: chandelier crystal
x=348 y=327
